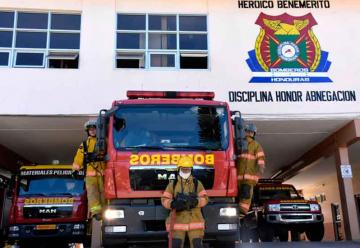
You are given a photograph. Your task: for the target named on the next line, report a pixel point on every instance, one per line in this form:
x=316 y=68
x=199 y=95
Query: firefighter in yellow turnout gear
x=250 y=166
x=85 y=157
x=185 y=197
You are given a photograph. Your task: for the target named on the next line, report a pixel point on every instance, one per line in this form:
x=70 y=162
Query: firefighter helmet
x=251 y=128
x=186 y=162
x=89 y=123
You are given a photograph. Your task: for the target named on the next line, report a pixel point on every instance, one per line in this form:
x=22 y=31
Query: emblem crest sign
x=287 y=51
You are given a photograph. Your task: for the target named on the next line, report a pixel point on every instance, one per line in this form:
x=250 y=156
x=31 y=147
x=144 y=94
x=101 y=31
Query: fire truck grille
x=35 y=212
x=157 y=177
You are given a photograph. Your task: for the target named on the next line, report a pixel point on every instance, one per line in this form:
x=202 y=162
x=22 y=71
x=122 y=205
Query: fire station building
x=289 y=66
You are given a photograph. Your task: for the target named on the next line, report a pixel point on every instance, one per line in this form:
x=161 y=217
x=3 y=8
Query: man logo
x=295 y=207
x=47 y=211
x=141 y=213
x=165 y=176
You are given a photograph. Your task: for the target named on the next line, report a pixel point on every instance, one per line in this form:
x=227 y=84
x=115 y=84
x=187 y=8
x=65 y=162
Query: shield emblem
x=288 y=42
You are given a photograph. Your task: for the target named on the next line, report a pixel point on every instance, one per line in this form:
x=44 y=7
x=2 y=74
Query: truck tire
x=266 y=232
x=225 y=244
x=315 y=232
x=283 y=235
x=295 y=235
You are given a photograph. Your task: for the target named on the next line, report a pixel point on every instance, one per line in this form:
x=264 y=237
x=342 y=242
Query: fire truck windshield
x=171 y=127
x=52 y=186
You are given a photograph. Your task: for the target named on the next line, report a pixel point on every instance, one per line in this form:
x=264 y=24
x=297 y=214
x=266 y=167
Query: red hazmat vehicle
x=47 y=203
x=142 y=139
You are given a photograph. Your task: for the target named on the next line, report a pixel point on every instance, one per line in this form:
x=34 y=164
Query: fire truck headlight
x=14 y=229
x=230 y=212
x=79 y=226
x=314 y=207
x=111 y=214
x=274 y=207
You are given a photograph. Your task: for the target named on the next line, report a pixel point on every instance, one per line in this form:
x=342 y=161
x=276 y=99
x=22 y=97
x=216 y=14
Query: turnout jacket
x=251 y=163
x=188 y=219
x=94 y=168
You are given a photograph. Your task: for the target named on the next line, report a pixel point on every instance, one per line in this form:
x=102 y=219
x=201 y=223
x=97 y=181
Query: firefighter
x=86 y=160
x=250 y=166
x=185 y=196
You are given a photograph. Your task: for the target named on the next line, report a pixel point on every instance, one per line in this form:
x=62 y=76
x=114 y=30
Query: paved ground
x=341 y=244
x=301 y=245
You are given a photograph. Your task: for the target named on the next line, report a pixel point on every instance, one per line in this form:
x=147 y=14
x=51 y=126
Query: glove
x=178 y=204
x=193 y=200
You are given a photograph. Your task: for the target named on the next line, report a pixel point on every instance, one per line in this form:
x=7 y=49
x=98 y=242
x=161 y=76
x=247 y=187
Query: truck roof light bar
x=268 y=180
x=170 y=94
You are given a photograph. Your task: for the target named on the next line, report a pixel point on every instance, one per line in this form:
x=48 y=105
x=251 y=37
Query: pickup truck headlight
x=314 y=207
x=111 y=214
x=230 y=212
x=274 y=207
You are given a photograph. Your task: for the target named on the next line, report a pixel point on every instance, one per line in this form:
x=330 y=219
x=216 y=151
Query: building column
x=348 y=206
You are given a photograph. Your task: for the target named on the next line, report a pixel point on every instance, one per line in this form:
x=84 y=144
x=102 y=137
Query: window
x=29 y=59
x=6 y=38
x=6 y=19
x=162 y=60
x=40 y=39
x=130 y=60
x=63 y=60
x=161 y=41
x=4 y=58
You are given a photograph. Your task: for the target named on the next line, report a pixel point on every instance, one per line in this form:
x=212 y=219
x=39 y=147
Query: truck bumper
x=294 y=218
x=64 y=231
x=147 y=224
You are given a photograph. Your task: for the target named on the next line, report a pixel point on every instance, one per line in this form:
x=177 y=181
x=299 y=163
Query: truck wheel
x=315 y=232
x=295 y=235
x=266 y=232
x=283 y=235
x=225 y=244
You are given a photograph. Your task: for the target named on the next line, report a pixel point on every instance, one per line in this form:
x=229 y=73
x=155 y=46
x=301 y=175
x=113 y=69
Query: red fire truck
x=47 y=203
x=142 y=139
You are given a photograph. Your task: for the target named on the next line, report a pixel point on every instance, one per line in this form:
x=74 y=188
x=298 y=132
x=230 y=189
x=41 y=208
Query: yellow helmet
x=186 y=162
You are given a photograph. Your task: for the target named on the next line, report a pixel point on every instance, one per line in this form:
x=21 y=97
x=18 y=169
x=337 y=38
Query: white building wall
x=231 y=34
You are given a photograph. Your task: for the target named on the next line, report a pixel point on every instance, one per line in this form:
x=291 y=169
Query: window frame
x=47 y=50
x=147 y=51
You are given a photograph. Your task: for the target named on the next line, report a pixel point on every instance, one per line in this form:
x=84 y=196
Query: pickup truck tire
x=225 y=244
x=266 y=232
x=283 y=235
x=315 y=232
x=295 y=235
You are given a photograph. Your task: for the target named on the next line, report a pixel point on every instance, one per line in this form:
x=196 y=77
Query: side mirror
x=11 y=186
x=240 y=135
x=101 y=132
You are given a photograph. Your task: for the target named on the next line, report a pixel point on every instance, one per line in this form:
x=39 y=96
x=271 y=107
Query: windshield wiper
x=61 y=193
x=145 y=147
x=33 y=194
x=203 y=148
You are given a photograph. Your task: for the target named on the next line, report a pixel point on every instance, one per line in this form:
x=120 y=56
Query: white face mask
x=184 y=175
